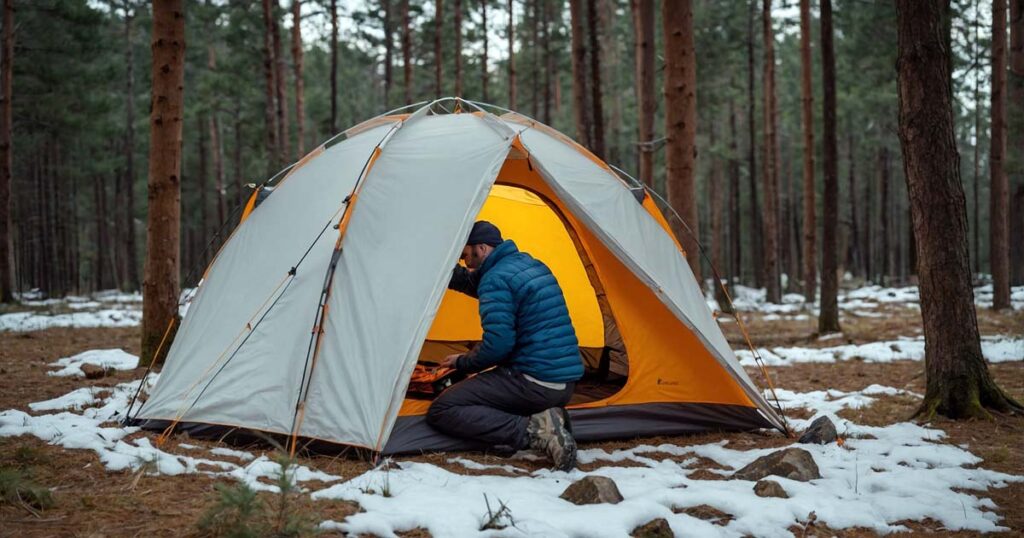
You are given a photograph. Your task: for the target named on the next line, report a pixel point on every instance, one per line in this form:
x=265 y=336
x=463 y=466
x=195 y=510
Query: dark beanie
x=484 y=233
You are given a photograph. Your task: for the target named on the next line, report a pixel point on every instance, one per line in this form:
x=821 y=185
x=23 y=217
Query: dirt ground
x=92 y=502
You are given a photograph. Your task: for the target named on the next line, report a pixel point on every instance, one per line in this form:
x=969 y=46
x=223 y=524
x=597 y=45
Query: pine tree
x=828 y=317
x=958 y=381
x=999 y=221
x=160 y=289
x=810 y=269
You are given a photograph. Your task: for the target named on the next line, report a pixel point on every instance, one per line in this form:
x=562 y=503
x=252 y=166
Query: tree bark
x=755 y=214
x=999 y=221
x=300 y=112
x=128 y=222
x=771 y=180
x=549 y=63
x=533 y=10
x=6 y=159
x=885 y=267
x=828 y=317
x=216 y=151
x=483 y=59
x=810 y=268
x=334 y=66
x=438 y=58
x=281 y=94
x=579 y=70
x=958 y=381
x=270 y=118
x=854 y=256
x=458 y=48
x=643 y=33
x=237 y=157
x=1015 y=139
x=511 y=56
x=596 y=104
x=201 y=186
x=406 y=52
x=160 y=289
x=389 y=52
x=717 y=236
x=976 y=186
x=735 y=242
x=101 y=280
x=681 y=124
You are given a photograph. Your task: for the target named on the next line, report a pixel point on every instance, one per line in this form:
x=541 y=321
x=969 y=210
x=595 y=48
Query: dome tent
x=311 y=318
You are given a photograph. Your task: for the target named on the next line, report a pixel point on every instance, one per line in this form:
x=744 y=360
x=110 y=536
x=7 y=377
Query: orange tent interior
x=666 y=361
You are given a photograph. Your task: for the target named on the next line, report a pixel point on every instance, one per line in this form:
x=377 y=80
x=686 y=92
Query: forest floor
x=948 y=477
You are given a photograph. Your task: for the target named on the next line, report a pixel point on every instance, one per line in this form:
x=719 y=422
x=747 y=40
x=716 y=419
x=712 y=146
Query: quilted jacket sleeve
x=498 y=318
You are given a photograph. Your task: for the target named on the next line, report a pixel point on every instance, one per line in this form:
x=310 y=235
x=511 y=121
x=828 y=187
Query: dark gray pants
x=494 y=407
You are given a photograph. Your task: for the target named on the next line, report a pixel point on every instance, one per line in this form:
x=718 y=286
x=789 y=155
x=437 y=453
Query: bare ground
x=91 y=501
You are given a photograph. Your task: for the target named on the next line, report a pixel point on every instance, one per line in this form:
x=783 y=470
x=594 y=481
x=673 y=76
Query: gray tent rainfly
x=309 y=322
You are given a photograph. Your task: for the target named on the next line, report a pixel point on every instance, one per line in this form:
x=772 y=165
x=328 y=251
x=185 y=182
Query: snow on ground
x=995 y=349
x=110 y=308
x=881 y=476
x=863 y=302
x=108 y=359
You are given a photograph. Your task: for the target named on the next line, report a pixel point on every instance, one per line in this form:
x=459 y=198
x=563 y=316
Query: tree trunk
x=128 y=211
x=281 y=94
x=549 y=62
x=458 y=48
x=160 y=289
x=643 y=33
x=854 y=255
x=268 y=72
x=885 y=267
x=999 y=222
x=389 y=48
x=977 y=143
x=828 y=317
x=807 y=99
x=596 y=105
x=771 y=180
x=6 y=159
x=215 y=146
x=438 y=58
x=681 y=124
x=101 y=280
x=511 y=56
x=334 y=66
x=958 y=381
x=204 y=205
x=735 y=250
x=579 y=70
x=483 y=58
x=755 y=214
x=1015 y=138
x=237 y=157
x=533 y=10
x=407 y=52
x=717 y=237
x=300 y=113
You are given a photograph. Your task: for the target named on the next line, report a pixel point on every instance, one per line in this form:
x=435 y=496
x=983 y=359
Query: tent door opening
x=538 y=228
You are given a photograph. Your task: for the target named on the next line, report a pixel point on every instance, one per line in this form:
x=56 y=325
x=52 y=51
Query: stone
x=821 y=432
x=92 y=371
x=657 y=528
x=792 y=463
x=770 y=488
x=593 y=490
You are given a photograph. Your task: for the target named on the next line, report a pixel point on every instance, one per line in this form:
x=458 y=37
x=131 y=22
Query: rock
x=770 y=488
x=92 y=371
x=593 y=490
x=791 y=463
x=657 y=528
x=821 y=432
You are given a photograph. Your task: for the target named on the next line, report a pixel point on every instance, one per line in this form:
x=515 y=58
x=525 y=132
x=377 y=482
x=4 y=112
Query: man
x=528 y=339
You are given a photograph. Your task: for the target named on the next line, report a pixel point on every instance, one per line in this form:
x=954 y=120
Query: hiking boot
x=547 y=432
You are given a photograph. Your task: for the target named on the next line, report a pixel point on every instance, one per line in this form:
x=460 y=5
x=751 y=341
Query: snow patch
x=108 y=359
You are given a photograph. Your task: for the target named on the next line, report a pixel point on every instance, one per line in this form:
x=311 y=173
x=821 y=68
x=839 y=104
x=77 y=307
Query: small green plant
x=234 y=515
x=287 y=520
x=16 y=488
x=239 y=512
x=497 y=519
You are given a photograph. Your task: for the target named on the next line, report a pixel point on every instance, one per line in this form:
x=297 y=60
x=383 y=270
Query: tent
x=311 y=318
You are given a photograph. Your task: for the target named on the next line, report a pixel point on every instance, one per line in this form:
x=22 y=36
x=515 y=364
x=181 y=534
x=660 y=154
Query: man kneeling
x=528 y=338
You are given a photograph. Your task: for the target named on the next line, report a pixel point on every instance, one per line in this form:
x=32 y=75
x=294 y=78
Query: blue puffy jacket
x=524 y=316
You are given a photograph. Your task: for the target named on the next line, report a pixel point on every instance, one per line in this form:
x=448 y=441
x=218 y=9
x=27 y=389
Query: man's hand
x=450 y=361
